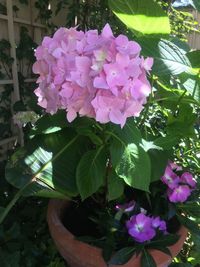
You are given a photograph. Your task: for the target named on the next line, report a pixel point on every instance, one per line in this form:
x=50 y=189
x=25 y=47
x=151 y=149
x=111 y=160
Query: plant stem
x=12 y=203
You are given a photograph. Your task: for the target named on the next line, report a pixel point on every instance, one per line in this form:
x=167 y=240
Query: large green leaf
x=47 y=164
x=50 y=124
x=91 y=172
x=159 y=161
x=168 y=57
x=132 y=164
x=115 y=186
x=129 y=159
x=141 y=16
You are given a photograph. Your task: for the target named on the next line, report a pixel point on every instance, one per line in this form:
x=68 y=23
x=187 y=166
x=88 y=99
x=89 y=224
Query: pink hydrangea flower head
x=92 y=74
x=179 y=194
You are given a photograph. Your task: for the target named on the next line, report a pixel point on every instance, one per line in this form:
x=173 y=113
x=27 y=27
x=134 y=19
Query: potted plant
x=123 y=200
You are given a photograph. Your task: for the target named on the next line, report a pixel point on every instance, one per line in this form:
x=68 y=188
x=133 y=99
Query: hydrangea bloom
x=143 y=228
x=91 y=74
x=179 y=187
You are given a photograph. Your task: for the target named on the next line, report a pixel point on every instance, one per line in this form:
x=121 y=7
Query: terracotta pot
x=79 y=254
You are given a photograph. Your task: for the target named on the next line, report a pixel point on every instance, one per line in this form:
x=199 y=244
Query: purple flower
x=179 y=194
x=170 y=178
x=187 y=178
x=174 y=166
x=127 y=207
x=140 y=228
x=157 y=223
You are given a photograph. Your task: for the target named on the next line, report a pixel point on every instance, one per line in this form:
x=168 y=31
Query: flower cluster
x=91 y=74
x=179 y=187
x=143 y=228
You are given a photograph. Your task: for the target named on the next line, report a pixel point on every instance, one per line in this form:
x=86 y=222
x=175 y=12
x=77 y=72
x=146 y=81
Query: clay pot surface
x=80 y=254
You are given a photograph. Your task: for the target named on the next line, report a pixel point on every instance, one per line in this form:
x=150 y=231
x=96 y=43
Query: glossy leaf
x=91 y=172
x=164 y=241
x=194 y=58
x=47 y=164
x=147 y=260
x=132 y=164
x=183 y=123
x=168 y=57
x=190 y=225
x=159 y=160
x=122 y=256
x=141 y=16
x=192 y=84
x=49 y=124
x=115 y=186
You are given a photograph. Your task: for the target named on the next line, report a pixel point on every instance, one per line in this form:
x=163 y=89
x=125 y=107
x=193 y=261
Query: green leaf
x=149 y=145
x=47 y=164
x=138 y=15
x=108 y=247
x=122 y=256
x=90 y=133
x=168 y=57
x=190 y=225
x=147 y=260
x=115 y=186
x=128 y=134
x=183 y=124
x=132 y=164
x=164 y=241
x=192 y=84
x=2 y=209
x=159 y=160
x=50 y=123
x=191 y=208
x=167 y=142
x=196 y=4
x=91 y=171
x=162 y=249
x=9 y=259
x=194 y=58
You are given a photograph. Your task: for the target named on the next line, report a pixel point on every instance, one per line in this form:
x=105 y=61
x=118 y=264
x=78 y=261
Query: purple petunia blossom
x=179 y=187
x=188 y=179
x=170 y=178
x=140 y=228
x=157 y=223
x=179 y=194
